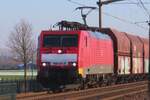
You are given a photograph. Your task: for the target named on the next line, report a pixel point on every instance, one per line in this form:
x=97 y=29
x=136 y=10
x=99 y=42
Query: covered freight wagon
x=130 y=52
x=122 y=51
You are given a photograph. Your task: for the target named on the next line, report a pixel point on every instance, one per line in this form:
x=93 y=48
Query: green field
x=17 y=74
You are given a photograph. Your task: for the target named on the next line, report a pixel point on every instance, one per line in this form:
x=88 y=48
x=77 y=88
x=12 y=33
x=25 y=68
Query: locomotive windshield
x=60 y=41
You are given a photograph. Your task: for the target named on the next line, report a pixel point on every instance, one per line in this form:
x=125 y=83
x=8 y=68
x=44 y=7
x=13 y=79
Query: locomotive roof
x=95 y=34
x=99 y=35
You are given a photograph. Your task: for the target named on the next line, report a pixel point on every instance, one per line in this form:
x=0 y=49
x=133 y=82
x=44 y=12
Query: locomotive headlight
x=59 y=51
x=44 y=64
x=74 y=64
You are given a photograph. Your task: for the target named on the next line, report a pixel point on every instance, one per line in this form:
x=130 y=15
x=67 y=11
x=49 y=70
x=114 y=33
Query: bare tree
x=22 y=44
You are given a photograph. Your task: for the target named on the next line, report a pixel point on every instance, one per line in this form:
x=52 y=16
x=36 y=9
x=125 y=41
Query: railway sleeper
x=102 y=82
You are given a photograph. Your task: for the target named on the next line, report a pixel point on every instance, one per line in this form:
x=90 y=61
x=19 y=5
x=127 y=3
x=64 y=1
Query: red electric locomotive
x=81 y=55
x=66 y=55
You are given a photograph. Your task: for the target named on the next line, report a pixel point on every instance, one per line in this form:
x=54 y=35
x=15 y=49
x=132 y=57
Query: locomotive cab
x=58 y=53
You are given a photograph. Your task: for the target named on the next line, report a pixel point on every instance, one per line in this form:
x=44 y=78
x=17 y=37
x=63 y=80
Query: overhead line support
x=100 y=4
x=149 y=59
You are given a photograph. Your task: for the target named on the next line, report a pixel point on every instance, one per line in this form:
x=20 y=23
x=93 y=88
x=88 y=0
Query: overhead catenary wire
x=132 y=3
x=115 y=17
x=148 y=13
x=145 y=9
x=124 y=20
x=140 y=6
x=77 y=3
x=135 y=3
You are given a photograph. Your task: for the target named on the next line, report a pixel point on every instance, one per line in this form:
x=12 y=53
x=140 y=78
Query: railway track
x=103 y=93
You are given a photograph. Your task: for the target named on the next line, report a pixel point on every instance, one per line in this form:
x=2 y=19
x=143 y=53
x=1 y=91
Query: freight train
x=78 y=54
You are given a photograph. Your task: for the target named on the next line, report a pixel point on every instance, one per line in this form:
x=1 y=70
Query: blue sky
x=44 y=13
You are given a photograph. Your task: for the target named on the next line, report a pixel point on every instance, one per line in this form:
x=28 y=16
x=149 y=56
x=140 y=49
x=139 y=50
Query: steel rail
x=112 y=94
x=82 y=93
